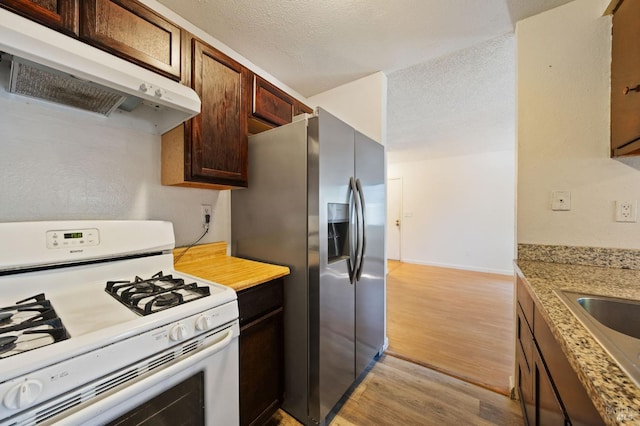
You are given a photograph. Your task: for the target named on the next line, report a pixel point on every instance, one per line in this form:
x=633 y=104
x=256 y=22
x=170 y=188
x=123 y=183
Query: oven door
x=200 y=389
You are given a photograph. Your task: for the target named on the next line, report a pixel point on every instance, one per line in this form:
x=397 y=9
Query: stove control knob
x=23 y=394
x=178 y=332
x=204 y=322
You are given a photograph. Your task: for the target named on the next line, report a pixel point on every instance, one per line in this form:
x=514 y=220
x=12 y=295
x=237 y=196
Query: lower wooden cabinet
x=261 y=352
x=525 y=365
x=547 y=407
x=550 y=391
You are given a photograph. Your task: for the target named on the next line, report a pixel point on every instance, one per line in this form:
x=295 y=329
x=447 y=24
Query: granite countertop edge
x=614 y=395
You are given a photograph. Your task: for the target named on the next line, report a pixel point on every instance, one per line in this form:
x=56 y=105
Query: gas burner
x=5 y=317
x=7 y=343
x=143 y=287
x=29 y=324
x=146 y=296
x=167 y=299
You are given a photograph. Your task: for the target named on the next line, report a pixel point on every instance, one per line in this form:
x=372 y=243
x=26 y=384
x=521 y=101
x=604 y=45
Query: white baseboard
x=463 y=267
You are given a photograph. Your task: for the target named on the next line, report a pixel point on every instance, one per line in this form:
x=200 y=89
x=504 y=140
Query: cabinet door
x=218 y=151
x=273 y=106
x=548 y=412
x=261 y=368
x=625 y=80
x=129 y=30
x=261 y=351
x=299 y=108
x=271 y=103
x=524 y=366
x=576 y=401
x=60 y=15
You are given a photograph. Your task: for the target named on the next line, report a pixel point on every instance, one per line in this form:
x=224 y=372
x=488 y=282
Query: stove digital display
x=72 y=235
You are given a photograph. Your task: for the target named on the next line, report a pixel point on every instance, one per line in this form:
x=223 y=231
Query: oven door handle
x=86 y=414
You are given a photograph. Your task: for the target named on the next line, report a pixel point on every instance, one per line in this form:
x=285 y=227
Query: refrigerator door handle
x=363 y=234
x=354 y=243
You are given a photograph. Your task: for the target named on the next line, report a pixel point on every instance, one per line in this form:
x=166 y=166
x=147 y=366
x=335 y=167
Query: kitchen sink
x=620 y=315
x=613 y=322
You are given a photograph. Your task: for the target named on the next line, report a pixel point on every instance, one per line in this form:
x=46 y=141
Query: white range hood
x=53 y=67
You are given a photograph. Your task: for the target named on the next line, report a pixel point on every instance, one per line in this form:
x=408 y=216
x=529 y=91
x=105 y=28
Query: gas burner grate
x=23 y=324
x=160 y=292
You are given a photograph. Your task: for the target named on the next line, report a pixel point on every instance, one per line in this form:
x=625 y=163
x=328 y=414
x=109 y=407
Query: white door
x=394 y=214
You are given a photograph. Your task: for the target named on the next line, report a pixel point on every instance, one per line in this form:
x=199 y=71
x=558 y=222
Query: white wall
x=458 y=211
x=458 y=162
x=563 y=103
x=361 y=103
x=55 y=165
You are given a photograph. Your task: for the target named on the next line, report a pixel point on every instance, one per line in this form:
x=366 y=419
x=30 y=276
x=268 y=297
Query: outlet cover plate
x=627 y=211
x=205 y=209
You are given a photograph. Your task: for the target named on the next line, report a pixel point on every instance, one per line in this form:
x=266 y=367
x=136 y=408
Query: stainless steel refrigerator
x=316 y=203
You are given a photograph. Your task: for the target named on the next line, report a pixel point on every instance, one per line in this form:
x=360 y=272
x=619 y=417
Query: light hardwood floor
x=398 y=392
x=457 y=322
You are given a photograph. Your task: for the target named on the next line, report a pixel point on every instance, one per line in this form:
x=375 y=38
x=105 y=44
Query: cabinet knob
x=628 y=89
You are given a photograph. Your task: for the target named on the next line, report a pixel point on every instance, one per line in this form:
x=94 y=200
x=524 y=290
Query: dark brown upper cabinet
x=60 y=15
x=210 y=150
x=272 y=107
x=625 y=80
x=128 y=29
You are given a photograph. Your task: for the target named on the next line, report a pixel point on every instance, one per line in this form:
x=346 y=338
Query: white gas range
x=96 y=327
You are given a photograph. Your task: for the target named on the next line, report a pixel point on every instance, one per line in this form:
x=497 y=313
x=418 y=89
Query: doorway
x=394 y=218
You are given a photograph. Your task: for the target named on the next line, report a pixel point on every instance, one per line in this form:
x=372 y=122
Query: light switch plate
x=560 y=200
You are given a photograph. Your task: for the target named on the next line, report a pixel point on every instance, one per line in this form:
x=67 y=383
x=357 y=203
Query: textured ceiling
x=459 y=104
x=313 y=46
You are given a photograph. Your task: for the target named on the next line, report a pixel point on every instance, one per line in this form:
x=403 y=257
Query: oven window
x=182 y=405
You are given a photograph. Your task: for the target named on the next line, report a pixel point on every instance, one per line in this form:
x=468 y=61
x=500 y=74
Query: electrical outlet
x=626 y=211
x=205 y=209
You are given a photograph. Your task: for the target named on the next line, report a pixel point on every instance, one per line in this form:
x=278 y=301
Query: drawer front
x=525 y=301
x=256 y=301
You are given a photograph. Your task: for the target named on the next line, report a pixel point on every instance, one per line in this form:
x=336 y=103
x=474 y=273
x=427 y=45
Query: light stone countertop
x=614 y=395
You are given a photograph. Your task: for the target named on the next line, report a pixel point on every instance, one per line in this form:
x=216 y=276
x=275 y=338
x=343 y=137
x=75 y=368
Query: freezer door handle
x=362 y=232
x=354 y=231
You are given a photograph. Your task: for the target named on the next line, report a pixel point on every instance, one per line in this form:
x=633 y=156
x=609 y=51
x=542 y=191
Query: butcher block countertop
x=210 y=262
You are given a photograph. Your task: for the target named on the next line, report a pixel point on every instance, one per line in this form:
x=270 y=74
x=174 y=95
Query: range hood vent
x=53 y=67
x=30 y=79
